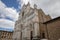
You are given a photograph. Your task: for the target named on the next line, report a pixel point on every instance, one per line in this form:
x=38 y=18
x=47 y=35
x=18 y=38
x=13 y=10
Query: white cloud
x=51 y=7
x=7 y=12
x=6 y=23
x=12 y=13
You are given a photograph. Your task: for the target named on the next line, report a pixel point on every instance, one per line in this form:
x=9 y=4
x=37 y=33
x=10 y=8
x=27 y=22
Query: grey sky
x=51 y=7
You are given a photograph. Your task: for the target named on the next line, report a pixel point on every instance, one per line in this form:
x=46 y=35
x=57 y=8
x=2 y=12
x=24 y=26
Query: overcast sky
x=9 y=10
x=51 y=7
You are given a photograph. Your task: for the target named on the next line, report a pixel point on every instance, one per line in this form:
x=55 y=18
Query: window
x=22 y=14
x=43 y=35
x=31 y=35
x=15 y=38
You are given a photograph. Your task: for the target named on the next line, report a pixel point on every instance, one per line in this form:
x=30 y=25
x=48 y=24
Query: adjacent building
x=51 y=29
x=6 y=35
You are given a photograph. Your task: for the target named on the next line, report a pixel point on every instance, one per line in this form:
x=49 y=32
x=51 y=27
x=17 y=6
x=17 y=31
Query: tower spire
x=35 y=6
x=28 y=4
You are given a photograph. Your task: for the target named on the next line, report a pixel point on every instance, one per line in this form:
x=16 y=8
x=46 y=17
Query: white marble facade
x=28 y=21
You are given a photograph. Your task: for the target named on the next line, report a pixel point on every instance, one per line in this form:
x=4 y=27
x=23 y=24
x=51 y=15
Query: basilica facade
x=31 y=24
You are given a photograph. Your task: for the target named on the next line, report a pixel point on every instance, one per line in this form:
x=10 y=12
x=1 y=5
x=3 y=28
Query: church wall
x=53 y=29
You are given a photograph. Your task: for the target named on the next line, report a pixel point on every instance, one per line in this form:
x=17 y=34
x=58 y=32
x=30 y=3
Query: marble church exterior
x=28 y=25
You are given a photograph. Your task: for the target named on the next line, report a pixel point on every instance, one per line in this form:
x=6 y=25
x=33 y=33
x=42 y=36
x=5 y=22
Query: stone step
x=44 y=39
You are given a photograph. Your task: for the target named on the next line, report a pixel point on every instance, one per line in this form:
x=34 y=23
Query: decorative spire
x=35 y=6
x=24 y=5
x=28 y=4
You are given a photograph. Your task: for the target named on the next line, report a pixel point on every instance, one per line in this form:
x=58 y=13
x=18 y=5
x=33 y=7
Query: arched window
x=31 y=35
x=15 y=38
x=43 y=35
x=22 y=14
